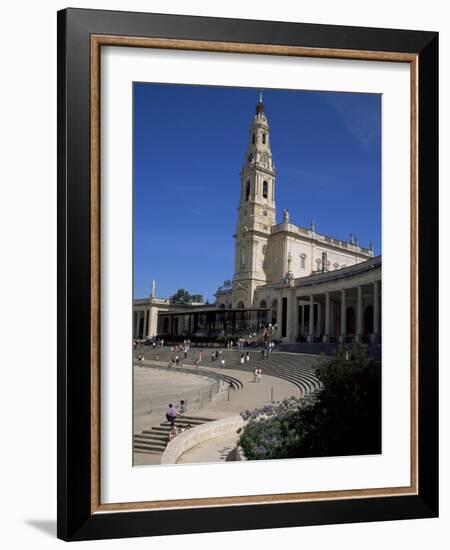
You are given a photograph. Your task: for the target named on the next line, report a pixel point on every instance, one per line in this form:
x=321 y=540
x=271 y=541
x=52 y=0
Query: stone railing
x=336 y=274
x=200 y=434
x=319 y=237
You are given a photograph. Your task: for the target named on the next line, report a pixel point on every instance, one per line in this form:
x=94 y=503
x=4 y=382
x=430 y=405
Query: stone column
x=138 y=318
x=319 y=319
x=279 y=314
x=358 y=335
x=326 y=336
x=311 y=319
x=303 y=320
x=294 y=317
x=153 y=321
x=145 y=323
x=376 y=311
x=343 y=326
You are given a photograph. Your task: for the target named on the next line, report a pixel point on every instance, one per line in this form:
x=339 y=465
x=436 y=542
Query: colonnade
x=338 y=315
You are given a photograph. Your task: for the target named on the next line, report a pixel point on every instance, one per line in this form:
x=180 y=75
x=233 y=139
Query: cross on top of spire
x=260 y=104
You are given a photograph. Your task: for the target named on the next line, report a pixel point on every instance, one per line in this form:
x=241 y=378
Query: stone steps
x=154 y=440
x=294 y=368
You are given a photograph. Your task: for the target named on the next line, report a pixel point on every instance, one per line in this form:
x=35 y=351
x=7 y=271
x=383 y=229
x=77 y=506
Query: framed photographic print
x=247 y=274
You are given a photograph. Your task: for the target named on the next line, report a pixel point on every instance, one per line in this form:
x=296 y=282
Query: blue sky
x=189 y=145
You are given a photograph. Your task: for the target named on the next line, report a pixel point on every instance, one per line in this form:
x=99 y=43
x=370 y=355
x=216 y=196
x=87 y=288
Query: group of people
x=177 y=430
x=171 y=416
x=245 y=358
x=267 y=350
x=179 y=352
x=216 y=354
x=158 y=343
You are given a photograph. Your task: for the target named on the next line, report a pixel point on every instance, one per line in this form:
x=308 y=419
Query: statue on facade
x=324 y=262
x=289 y=277
x=285 y=215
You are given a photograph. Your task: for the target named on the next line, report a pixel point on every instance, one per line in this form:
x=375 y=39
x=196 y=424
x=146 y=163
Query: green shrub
x=343 y=419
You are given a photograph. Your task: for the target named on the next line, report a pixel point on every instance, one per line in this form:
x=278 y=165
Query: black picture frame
x=76 y=521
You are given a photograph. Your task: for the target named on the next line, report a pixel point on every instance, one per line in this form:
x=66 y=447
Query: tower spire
x=257 y=212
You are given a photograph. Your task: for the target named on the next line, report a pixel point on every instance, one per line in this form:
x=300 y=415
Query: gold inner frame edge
x=97 y=41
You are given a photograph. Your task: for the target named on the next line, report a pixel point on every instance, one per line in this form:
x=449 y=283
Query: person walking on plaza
x=259 y=374
x=242 y=358
x=255 y=374
x=171 y=414
x=247 y=356
x=263 y=353
x=222 y=363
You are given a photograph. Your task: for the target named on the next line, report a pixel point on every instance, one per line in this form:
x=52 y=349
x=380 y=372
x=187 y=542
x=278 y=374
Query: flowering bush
x=343 y=419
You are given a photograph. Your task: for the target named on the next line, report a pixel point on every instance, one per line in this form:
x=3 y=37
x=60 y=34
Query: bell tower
x=256 y=212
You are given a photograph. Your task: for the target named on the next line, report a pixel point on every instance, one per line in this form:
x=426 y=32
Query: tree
x=344 y=419
x=182 y=296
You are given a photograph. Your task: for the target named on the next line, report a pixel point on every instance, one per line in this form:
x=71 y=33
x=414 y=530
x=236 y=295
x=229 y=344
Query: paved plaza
x=284 y=375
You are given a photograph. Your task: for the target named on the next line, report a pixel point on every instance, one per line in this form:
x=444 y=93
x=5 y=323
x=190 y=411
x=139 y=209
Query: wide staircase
x=154 y=440
x=298 y=370
x=295 y=368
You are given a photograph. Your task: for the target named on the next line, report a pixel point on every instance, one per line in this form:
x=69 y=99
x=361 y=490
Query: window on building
x=253 y=138
x=264 y=138
x=247 y=191
x=265 y=189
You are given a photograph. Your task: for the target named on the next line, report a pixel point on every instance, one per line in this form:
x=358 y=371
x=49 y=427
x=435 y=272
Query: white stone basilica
x=305 y=285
